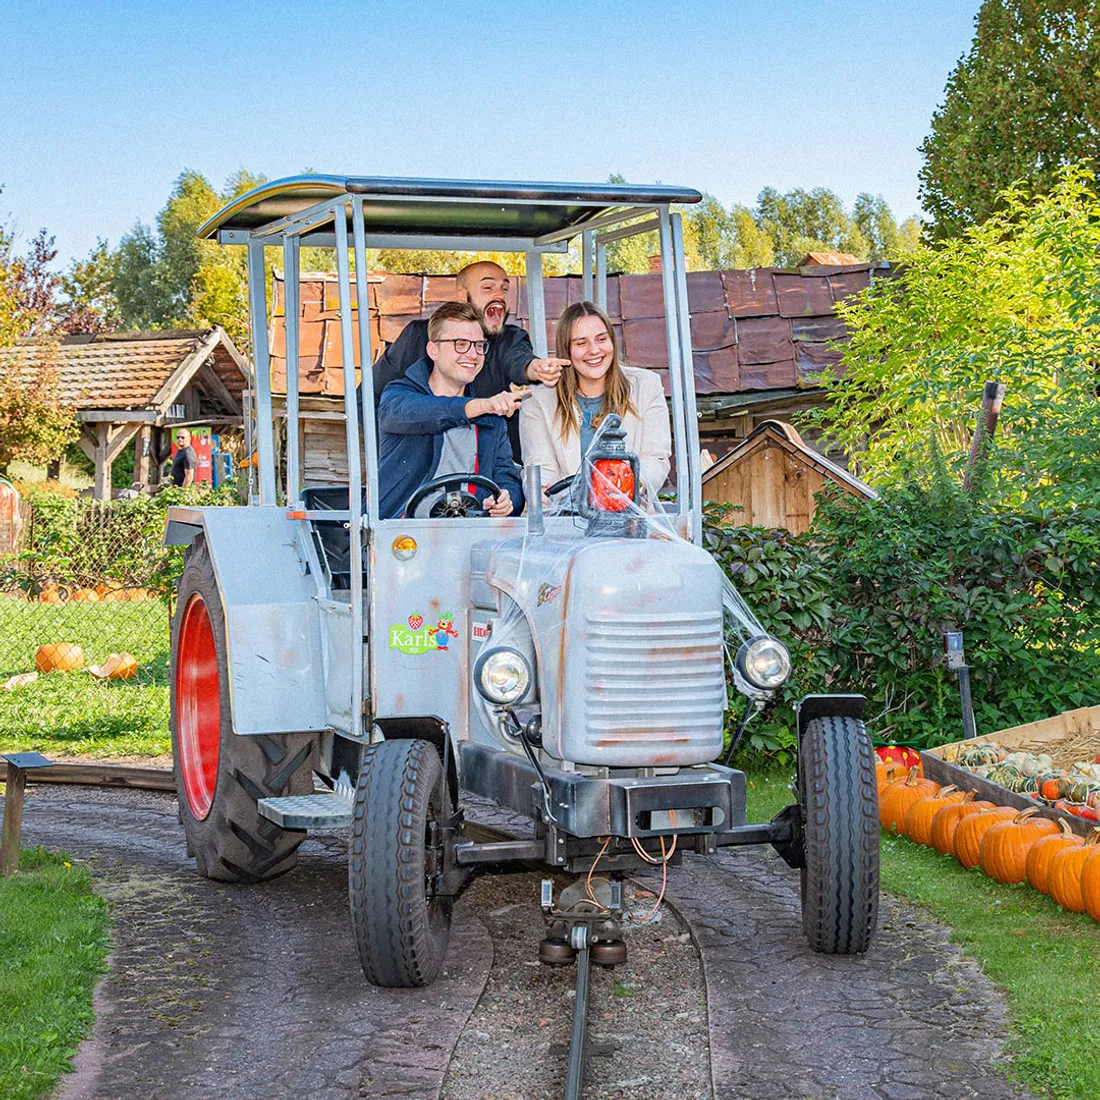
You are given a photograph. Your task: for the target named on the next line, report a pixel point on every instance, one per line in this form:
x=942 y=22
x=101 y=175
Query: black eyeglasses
x=463 y=345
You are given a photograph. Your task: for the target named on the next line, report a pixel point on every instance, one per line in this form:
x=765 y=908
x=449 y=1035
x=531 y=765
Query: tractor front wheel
x=837 y=790
x=395 y=863
x=219 y=775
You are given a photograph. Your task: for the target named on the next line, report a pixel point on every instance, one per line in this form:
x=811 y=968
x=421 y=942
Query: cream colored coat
x=648 y=434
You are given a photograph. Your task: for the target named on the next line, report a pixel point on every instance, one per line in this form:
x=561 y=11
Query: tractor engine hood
x=628 y=639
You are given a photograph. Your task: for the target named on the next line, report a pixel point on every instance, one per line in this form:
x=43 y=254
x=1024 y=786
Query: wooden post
x=992 y=398
x=143 y=446
x=18 y=763
x=13 y=820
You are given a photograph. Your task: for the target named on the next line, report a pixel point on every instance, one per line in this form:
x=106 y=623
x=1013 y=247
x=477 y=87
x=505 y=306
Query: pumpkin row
x=1009 y=845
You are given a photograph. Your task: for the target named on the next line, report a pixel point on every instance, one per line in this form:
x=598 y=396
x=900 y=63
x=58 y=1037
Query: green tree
x=1015 y=299
x=34 y=425
x=886 y=240
x=752 y=244
x=1023 y=103
x=89 y=303
x=807 y=221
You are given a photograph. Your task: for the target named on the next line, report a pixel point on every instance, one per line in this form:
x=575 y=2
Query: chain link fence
x=85 y=607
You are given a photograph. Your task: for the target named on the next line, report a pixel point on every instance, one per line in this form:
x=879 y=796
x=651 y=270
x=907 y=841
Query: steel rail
x=574 y=1075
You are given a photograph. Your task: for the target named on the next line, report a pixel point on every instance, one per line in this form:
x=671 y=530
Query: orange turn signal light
x=404 y=546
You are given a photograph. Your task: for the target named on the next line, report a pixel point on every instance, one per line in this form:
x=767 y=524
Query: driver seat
x=333 y=537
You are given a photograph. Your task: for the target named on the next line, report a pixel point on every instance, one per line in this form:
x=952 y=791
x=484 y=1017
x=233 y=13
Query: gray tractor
x=565 y=673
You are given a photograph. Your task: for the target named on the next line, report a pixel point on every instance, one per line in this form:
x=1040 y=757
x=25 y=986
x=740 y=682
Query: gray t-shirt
x=459 y=456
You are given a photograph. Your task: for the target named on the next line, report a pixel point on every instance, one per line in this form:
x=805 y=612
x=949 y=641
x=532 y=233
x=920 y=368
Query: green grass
x=1046 y=961
x=53 y=939
x=72 y=713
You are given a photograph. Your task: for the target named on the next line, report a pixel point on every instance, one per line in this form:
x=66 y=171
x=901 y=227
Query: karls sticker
x=480 y=631
x=415 y=638
x=547 y=593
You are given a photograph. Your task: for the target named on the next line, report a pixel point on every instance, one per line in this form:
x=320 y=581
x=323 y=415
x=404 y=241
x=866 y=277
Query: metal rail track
x=134 y=777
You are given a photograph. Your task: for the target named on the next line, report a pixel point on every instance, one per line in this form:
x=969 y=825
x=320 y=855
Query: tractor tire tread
x=840 y=806
x=399 y=946
x=233 y=843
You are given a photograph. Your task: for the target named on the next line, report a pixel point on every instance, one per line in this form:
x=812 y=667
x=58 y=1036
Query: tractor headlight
x=502 y=675
x=764 y=662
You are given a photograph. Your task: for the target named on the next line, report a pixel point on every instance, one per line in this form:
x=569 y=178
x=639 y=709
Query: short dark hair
x=453 y=311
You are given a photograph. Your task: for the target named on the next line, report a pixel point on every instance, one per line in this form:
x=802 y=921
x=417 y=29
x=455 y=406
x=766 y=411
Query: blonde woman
x=557 y=423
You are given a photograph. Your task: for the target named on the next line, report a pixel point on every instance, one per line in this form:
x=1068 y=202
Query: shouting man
x=509 y=358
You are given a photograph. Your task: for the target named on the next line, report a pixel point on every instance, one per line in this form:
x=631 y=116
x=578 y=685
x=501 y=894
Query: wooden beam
x=118 y=438
x=102 y=489
x=118 y=416
x=217 y=387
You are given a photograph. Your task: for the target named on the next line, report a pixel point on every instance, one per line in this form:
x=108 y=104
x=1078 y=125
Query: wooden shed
x=143 y=384
x=773 y=475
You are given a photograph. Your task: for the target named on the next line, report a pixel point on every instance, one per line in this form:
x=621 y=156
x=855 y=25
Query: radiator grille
x=656 y=678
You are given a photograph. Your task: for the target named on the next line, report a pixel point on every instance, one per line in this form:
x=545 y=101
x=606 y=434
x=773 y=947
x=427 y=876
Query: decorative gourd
x=62 y=657
x=946 y=821
x=986 y=753
x=1043 y=851
x=1064 y=879
x=968 y=836
x=1004 y=848
x=901 y=756
x=918 y=818
x=1090 y=884
x=896 y=798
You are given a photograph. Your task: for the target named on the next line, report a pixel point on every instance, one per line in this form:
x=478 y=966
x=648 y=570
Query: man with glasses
x=432 y=423
x=509 y=357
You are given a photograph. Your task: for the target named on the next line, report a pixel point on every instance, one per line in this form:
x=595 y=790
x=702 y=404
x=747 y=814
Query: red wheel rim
x=198 y=707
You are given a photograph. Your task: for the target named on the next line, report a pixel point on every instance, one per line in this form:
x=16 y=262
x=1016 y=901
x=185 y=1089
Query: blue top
x=412 y=422
x=590 y=409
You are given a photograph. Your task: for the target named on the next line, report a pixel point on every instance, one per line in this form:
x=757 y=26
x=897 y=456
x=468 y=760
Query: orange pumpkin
x=1065 y=874
x=918 y=818
x=968 y=835
x=62 y=657
x=885 y=773
x=84 y=595
x=119 y=666
x=946 y=821
x=1090 y=884
x=1004 y=848
x=1043 y=851
x=896 y=798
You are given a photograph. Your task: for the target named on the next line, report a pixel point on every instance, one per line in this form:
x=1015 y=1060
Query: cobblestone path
x=255 y=992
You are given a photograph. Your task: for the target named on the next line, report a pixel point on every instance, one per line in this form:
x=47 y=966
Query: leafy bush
x=864 y=600
x=83 y=543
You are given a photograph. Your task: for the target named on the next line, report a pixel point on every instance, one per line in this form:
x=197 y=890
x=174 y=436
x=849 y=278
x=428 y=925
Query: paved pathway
x=911 y=1019
x=256 y=992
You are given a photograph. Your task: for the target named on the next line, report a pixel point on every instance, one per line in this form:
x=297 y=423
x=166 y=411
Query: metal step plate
x=307 y=811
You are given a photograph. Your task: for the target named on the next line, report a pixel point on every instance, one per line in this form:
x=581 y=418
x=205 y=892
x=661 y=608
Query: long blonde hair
x=616 y=398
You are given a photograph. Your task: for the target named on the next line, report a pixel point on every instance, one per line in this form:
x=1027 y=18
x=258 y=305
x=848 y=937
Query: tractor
x=566 y=667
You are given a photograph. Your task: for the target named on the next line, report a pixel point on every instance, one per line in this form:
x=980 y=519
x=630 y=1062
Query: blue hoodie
x=412 y=421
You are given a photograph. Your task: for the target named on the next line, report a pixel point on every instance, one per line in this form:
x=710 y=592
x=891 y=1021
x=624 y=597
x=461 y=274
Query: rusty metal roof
x=762 y=329
x=490 y=208
x=131 y=371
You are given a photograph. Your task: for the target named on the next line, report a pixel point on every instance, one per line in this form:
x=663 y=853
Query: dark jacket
x=506 y=361
x=412 y=421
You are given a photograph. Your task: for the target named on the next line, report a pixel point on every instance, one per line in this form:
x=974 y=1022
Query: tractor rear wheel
x=837 y=789
x=395 y=861
x=219 y=775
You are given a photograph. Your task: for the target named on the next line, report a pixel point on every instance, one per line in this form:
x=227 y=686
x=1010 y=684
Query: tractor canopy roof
x=465 y=208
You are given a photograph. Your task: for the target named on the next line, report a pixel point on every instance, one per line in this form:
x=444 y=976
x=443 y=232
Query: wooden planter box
x=1035 y=736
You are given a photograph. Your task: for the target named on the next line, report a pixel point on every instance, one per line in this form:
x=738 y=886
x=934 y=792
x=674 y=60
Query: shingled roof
x=761 y=329
x=134 y=370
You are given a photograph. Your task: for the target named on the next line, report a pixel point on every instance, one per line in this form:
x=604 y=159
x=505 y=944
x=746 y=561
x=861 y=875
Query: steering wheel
x=452 y=499
x=569 y=506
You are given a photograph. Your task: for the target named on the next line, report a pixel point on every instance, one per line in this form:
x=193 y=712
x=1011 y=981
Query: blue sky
x=103 y=104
